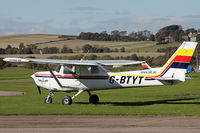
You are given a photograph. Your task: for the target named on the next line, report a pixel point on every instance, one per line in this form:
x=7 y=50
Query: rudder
x=176 y=66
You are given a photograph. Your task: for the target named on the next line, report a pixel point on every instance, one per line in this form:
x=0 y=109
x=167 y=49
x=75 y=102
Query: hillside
x=141 y=48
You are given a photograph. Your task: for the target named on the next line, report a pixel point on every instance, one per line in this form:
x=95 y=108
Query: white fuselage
x=104 y=80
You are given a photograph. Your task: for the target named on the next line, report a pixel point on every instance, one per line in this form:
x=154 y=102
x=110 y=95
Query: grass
x=15 y=74
x=180 y=99
x=154 y=48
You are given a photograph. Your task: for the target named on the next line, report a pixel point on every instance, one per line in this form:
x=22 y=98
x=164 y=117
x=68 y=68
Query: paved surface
x=99 y=124
x=10 y=93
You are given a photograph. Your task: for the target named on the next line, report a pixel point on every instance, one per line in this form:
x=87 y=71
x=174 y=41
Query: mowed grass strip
x=179 y=99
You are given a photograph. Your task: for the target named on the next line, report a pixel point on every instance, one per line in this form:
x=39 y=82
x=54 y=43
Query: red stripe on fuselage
x=72 y=76
x=38 y=74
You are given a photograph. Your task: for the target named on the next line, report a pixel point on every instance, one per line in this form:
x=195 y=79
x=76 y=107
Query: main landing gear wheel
x=67 y=100
x=48 y=100
x=94 y=99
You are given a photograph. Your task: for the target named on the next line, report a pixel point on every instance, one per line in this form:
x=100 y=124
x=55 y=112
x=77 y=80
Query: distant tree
x=33 y=48
x=21 y=46
x=86 y=48
x=2 y=63
x=133 y=57
x=152 y=37
x=116 y=50
x=27 y=51
x=64 y=49
x=132 y=35
x=8 y=50
x=104 y=36
x=175 y=31
x=53 y=50
x=2 y=51
x=122 y=49
x=9 y=46
x=85 y=36
x=198 y=38
x=106 y=50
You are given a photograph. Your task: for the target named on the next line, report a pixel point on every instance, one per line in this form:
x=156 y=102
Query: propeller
x=39 y=90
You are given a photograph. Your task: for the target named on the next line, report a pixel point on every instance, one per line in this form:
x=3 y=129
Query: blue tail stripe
x=180 y=65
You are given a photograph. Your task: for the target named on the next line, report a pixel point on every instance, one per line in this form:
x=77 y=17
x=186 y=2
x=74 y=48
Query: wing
x=115 y=62
x=74 y=62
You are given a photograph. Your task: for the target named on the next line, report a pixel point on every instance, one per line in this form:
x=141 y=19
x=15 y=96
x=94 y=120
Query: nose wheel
x=48 y=99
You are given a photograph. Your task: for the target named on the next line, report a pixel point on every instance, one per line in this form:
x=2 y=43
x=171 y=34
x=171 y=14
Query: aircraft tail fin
x=175 y=67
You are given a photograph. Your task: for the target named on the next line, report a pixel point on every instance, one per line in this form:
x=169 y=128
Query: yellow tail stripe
x=186 y=52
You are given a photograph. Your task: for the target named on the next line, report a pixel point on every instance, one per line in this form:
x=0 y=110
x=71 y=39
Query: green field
x=180 y=99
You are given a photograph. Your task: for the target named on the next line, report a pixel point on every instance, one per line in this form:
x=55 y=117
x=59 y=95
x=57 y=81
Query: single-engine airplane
x=89 y=75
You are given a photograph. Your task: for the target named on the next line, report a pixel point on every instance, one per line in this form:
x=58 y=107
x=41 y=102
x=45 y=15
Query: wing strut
x=54 y=76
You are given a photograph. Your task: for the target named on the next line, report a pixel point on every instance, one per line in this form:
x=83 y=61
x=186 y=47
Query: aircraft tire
x=67 y=100
x=94 y=99
x=49 y=100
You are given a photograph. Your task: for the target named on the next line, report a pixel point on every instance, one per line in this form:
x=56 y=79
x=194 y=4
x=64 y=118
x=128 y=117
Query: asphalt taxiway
x=99 y=124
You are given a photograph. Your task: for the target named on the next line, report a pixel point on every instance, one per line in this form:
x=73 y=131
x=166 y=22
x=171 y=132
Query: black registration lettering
x=123 y=79
x=134 y=79
x=140 y=80
x=111 y=79
x=128 y=79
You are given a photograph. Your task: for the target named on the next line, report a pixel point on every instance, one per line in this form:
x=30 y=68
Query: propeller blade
x=39 y=90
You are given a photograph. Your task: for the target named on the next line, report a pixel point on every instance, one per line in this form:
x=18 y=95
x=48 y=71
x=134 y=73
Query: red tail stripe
x=144 y=66
x=185 y=59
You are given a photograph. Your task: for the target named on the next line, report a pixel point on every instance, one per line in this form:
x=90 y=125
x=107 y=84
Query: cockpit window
x=58 y=68
x=79 y=70
x=88 y=70
x=67 y=70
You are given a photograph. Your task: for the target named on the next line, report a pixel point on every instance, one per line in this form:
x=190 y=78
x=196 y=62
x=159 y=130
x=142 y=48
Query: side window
x=87 y=70
x=67 y=70
x=94 y=69
x=58 y=68
x=78 y=70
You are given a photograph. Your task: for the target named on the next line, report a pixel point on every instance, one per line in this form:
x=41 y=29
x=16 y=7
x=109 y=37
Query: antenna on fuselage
x=83 y=58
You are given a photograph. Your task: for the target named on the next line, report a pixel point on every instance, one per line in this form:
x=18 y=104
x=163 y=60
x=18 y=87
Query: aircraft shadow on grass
x=166 y=101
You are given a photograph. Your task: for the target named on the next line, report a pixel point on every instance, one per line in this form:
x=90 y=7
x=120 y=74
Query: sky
x=70 y=17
